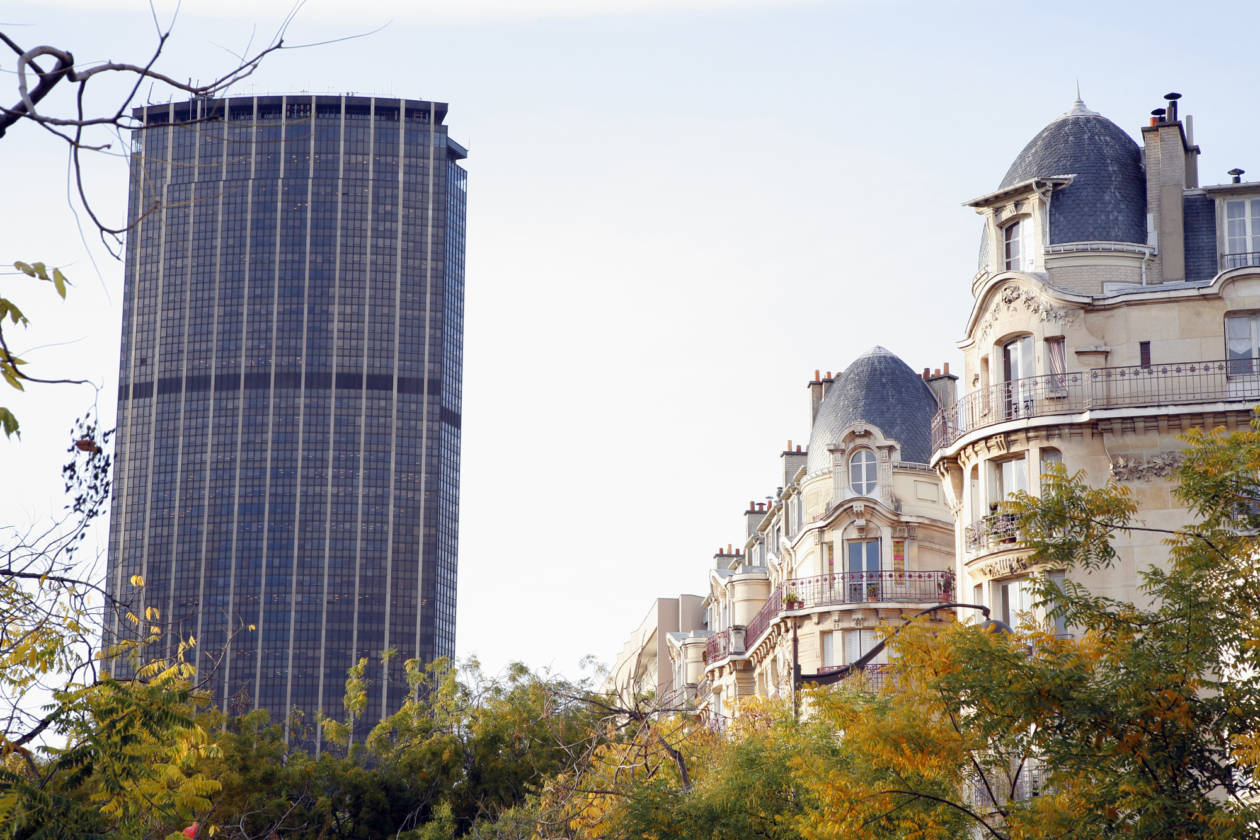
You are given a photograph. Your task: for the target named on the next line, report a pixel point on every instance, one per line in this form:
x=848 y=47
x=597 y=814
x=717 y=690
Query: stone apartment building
x=1116 y=304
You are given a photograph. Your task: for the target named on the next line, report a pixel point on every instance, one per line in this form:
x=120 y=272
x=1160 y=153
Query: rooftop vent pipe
x=1172 y=105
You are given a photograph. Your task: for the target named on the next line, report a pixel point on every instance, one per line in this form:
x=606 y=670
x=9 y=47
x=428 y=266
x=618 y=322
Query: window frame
x=998 y=491
x=1056 y=364
x=1016 y=255
x=1243 y=365
x=870 y=470
x=1248 y=236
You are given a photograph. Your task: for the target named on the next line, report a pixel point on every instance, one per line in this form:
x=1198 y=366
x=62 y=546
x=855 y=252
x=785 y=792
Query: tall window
x=1242 y=232
x=1013 y=599
x=1056 y=364
x=831 y=651
x=1017 y=373
x=862 y=472
x=1050 y=457
x=863 y=569
x=1014 y=246
x=974 y=492
x=1009 y=476
x=1242 y=342
x=1060 y=624
x=858 y=643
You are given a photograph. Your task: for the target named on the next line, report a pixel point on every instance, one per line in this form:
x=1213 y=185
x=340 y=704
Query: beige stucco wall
x=1136 y=446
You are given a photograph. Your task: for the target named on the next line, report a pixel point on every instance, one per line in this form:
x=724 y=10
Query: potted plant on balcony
x=792 y=601
x=872 y=592
x=947 y=587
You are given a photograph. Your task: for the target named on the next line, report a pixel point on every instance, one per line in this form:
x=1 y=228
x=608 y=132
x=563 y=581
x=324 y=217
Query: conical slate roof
x=1107 y=199
x=879 y=389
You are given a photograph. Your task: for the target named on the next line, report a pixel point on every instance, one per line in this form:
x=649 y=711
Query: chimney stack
x=943 y=385
x=815 y=396
x=793 y=460
x=1171 y=168
x=752 y=518
x=725 y=559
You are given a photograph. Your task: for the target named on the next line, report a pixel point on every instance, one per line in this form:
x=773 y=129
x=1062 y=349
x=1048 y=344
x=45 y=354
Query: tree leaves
x=10 y=363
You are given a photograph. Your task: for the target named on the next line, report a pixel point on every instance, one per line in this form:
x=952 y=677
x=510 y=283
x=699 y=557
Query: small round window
x=862 y=472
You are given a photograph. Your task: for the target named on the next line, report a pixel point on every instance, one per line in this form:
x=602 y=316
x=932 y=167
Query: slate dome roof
x=1107 y=199
x=879 y=389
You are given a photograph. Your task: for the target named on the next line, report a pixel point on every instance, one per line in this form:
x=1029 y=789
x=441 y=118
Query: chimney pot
x=1236 y=175
x=947 y=368
x=927 y=372
x=936 y=372
x=798 y=447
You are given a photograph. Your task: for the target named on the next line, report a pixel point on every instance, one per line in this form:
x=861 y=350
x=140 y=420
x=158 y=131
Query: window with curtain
x=1018 y=372
x=858 y=643
x=1050 y=457
x=1242 y=343
x=1013 y=599
x=1056 y=364
x=830 y=649
x=1007 y=477
x=1242 y=233
x=1060 y=625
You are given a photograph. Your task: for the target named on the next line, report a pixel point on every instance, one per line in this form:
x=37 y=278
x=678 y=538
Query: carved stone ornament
x=1010 y=298
x=1144 y=467
x=1002 y=566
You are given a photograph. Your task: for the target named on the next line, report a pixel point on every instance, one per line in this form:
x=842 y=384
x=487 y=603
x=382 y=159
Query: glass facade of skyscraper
x=287 y=465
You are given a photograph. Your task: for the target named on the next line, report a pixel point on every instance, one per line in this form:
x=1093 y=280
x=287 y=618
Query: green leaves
x=9 y=310
x=8 y=422
x=40 y=271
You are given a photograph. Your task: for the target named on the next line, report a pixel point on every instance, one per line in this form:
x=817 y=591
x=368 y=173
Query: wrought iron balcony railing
x=848 y=588
x=1239 y=259
x=991 y=531
x=1133 y=386
x=718 y=646
x=872 y=677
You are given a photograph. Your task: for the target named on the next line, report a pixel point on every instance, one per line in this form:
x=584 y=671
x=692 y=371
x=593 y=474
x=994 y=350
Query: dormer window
x=862 y=472
x=1242 y=233
x=1014 y=247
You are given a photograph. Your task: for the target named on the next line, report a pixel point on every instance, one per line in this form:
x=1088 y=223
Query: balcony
x=871 y=677
x=991 y=532
x=1239 y=259
x=718 y=646
x=848 y=588
x=1134 y=386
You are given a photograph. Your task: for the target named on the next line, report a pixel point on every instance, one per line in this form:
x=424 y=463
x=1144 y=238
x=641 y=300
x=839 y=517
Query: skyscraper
x=287 y=464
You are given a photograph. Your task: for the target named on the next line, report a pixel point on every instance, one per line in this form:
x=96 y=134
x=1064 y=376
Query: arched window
x=862 y=472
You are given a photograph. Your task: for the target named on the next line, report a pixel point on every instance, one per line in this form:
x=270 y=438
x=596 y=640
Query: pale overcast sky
x=677 y=211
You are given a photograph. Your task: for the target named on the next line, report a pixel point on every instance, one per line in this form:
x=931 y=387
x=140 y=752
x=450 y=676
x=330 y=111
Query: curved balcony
x=718 y=646
x=873 y=677
x=1132 y=386
x=991 y=532
x=848 y=588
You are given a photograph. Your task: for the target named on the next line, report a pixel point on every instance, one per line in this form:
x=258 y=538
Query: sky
x=677 y=211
